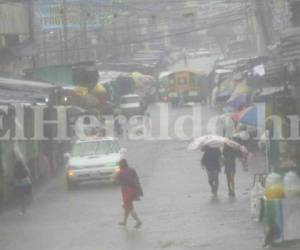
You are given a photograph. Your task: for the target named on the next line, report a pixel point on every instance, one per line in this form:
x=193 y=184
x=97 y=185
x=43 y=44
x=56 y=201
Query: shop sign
x=96 y=13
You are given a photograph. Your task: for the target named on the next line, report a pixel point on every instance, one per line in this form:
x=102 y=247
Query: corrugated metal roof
x=20 y=84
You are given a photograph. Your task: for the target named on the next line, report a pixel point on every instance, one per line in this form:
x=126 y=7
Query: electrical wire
x=233 y=15
x=165 y=20
x=155 y=34
x=174 y=34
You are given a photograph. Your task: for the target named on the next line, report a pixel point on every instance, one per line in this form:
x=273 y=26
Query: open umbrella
x=224 y=93
x=254 y=115
x=214 y=141
x=138 y=78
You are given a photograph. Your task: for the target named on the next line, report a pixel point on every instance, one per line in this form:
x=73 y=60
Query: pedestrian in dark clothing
x=229 y=160
x=243 y=139
x=211 y=161
x=22 y=182
x=185 y=58
x=131 y=191
x=1 y=187
x=117 y=127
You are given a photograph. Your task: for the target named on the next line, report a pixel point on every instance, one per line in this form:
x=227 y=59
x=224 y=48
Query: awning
x=241 y=88
x=264 y=94
x=25 y=85
x=254 y=115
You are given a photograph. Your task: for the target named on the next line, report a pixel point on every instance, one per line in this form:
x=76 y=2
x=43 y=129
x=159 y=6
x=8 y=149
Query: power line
x=181 y=32
x=178 y=33
x=228 y=16
x=165 y=20
x=125 y=29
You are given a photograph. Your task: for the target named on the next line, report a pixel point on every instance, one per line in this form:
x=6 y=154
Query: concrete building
x=16 y=47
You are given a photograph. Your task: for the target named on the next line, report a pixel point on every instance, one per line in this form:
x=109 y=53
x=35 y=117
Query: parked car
x=93 y=160
x=132 y=105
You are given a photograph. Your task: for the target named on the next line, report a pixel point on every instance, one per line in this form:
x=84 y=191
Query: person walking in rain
x=211 y=161
x=229 y=160
x=185 y=59
x=22 y=182
x=131 y=191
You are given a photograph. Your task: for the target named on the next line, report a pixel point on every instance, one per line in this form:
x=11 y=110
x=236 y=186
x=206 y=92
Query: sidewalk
x=39 y=189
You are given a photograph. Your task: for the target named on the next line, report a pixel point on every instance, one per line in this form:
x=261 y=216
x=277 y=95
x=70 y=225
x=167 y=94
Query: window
x=95 y=148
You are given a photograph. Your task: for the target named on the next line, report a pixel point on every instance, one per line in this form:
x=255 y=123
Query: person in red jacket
x=131 y=191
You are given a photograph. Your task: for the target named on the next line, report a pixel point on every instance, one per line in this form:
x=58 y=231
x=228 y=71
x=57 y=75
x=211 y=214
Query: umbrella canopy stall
x=241 y=96
x=225 y=90
x=144 y=84
x=254 y=115
x=138 y=78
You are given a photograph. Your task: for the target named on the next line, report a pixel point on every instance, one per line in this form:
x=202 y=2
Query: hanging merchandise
x=99 y=89
x=291 y=185
x=81 y=91
x=274 y=187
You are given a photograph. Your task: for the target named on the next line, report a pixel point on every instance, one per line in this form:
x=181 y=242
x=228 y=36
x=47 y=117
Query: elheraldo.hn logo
x=21 y=122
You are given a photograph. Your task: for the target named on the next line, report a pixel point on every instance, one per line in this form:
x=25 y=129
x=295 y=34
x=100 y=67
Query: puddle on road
x=171 y=244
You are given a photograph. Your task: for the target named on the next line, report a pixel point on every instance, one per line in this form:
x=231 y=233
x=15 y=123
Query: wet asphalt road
x=177 y=210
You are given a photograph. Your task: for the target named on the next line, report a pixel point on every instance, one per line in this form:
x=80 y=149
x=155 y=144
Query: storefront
x=25 y=95
x=279 y=189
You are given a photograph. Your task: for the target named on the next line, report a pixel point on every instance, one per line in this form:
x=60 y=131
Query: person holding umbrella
x=229 y=161
x=211 y=161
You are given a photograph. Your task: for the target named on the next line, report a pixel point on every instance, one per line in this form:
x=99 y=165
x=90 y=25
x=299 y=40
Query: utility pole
x=250 y=29
x=261 y=31
x=44 y=34
x=115 y=37
x=83 y=30
x=31 y=28
x=129 y=33
x=65 y=31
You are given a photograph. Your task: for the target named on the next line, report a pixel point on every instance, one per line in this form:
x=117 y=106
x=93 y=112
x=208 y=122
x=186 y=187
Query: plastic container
x=257 y=194
x=274 y=187
x=291 y=185
x=273 y=179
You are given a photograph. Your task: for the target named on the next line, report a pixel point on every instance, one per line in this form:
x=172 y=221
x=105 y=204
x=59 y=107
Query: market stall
x=278 y=209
